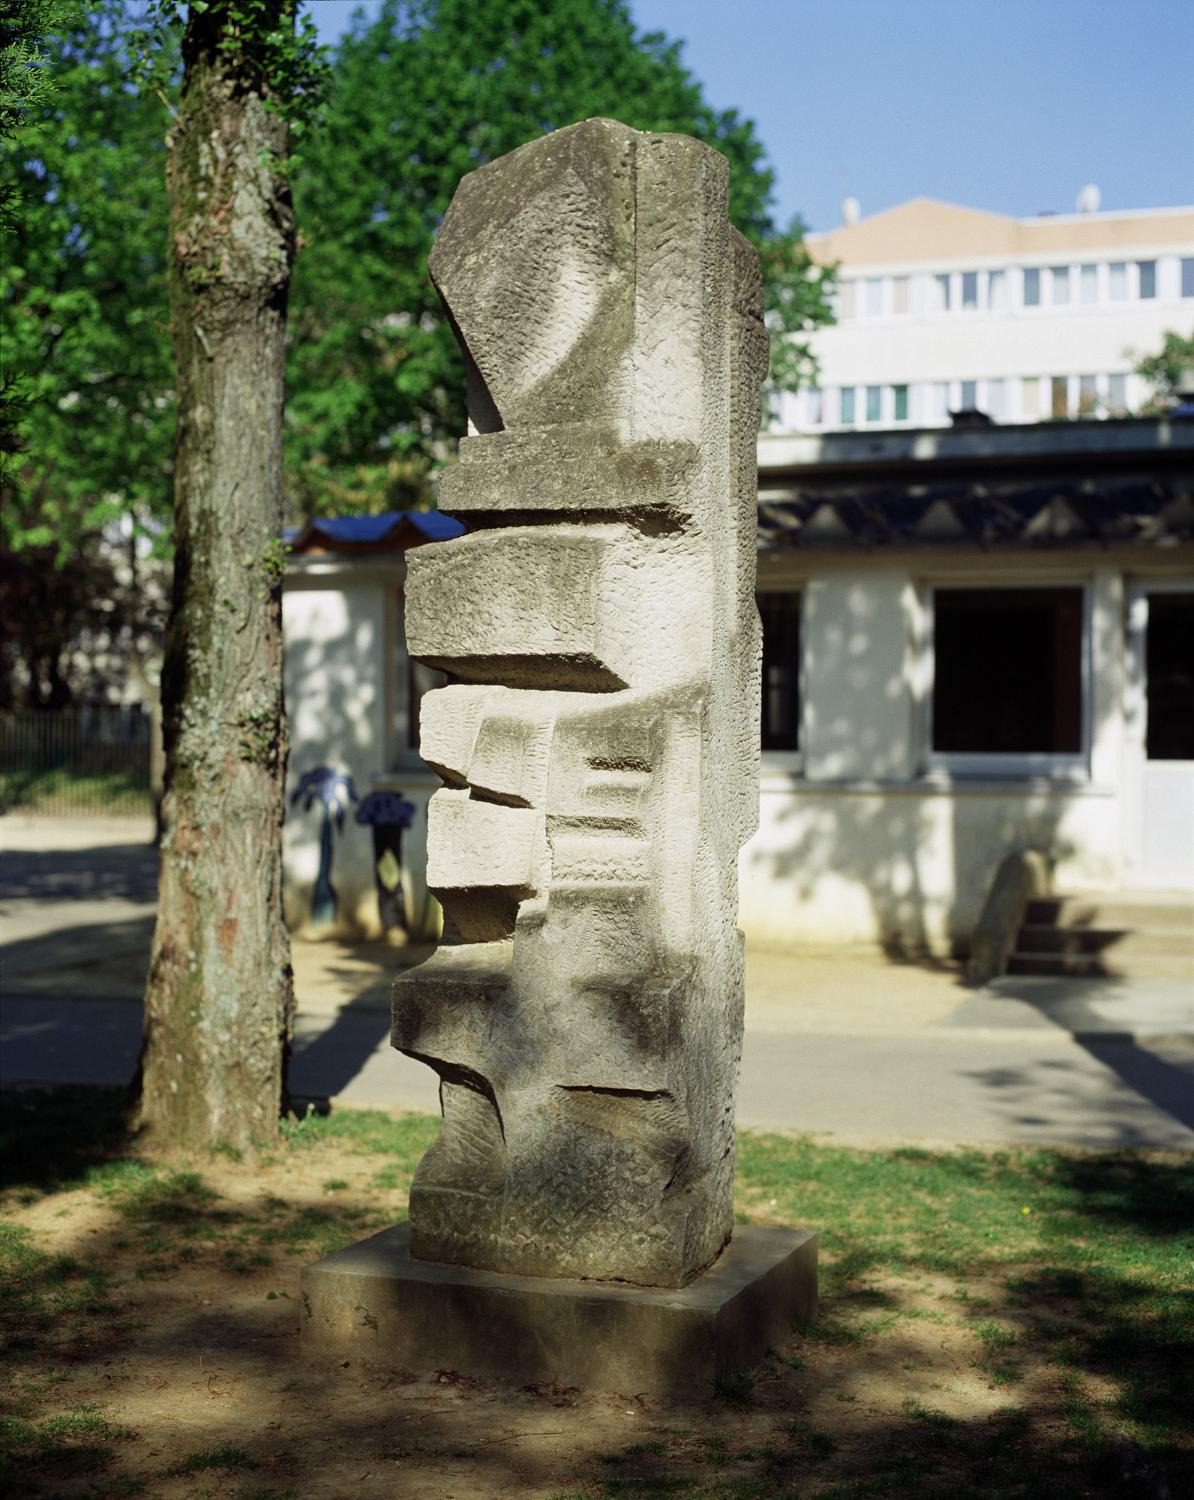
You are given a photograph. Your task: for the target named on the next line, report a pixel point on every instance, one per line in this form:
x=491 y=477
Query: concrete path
x=850 y=1045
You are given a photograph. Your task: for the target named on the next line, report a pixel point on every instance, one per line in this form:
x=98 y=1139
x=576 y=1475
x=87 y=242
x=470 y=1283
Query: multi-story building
x=943 y=309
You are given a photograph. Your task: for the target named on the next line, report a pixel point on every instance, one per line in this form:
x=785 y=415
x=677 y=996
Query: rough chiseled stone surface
x=599 y=735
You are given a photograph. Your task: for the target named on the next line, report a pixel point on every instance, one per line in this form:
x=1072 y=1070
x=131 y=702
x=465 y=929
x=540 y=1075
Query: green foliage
x=112 y=793
x=25 y=84
x=1165 y=369
x=424 y=93
x=214 y=1458
x=24 y=87
x=83 y=321
x=265 y=43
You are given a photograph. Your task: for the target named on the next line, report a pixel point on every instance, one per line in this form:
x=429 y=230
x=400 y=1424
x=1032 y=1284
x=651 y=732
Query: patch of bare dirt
x=194 y=1349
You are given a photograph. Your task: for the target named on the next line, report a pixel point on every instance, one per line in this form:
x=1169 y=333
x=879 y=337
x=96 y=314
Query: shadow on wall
x=862 y=847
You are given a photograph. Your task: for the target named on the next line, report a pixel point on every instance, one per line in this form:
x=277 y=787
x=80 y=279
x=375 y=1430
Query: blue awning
x=390 y=528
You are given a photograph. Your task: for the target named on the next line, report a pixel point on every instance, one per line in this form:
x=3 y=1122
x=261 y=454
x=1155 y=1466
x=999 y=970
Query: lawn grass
x=72 y=793
x=1002 y=1324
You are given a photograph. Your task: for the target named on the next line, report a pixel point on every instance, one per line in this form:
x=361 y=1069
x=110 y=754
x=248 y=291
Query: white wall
x=924 y=348
x=858 y=841
x=856 y=844
x=908 y=867
x=857 y=678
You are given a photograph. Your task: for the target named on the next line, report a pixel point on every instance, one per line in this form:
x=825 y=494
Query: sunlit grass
x=1059 y=1272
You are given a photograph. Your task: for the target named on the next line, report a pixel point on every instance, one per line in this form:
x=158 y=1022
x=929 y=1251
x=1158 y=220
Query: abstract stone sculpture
x=599 y=736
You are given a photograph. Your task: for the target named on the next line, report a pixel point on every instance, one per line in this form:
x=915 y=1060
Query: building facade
x=942 y=308
x=976 y=642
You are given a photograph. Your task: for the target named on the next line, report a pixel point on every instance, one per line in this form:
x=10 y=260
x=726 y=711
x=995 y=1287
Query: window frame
x=787 y=761
x=895 y=402
x=1003 y=765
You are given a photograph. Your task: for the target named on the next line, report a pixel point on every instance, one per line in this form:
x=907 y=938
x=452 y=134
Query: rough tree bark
x=219 y=997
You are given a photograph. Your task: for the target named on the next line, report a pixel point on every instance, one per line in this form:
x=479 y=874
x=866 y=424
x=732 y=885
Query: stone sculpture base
x=373 y=1302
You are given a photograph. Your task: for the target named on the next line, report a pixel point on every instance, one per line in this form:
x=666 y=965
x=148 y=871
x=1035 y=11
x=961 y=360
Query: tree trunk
x=219 y=998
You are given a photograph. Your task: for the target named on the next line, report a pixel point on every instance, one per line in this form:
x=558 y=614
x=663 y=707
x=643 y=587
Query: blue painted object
x=388 y=813
x=333 y=790
x=333 y=532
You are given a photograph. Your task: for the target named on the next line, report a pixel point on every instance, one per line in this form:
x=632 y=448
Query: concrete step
x=1113 y=942
x=1122 y=910
x=1079 y=965
x=1059 y=965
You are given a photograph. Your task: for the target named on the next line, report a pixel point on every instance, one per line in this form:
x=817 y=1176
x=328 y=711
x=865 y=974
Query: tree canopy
x=1165 y=370
x=83 y=290
x=421 y=94
x=424 y=93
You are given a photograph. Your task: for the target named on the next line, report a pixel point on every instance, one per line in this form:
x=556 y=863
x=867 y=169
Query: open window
x=1009 y=680
x=780 y=615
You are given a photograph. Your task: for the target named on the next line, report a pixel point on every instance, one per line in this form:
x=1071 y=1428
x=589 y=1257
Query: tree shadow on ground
x=107 y=872
x=1159 y=1069
x=160 y=1335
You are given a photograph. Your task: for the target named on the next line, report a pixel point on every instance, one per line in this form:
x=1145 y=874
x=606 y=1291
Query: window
x=996 y=405
x=1059 y=396
x=969 y=395
x=997 y=290
x=780 y=615
x=1060 y=279
x=1088 y=395
x=1030 y=398
x=1117 y=393
x=1088 y=284
x=874 y=297
x=1032 y=287
x=942 y=299
x=899 y=295
x=1008 y=671
x=1188 y=277
x=900 y=402
x=1146 y=272
x=847 y=404
x=1170 y=724
x=815 y=406
x=970 y=289
x=845 y=300
x=874 y=403
x=939 y=401
x=1118 y=280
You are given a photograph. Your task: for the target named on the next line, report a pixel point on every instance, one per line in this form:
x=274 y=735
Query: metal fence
x=78 y=762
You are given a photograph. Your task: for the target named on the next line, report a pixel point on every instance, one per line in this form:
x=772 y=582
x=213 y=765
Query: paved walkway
x=847 y=1044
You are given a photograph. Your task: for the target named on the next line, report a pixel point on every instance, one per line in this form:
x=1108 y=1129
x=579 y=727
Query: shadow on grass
x=51 y=1137
x=1066 y=1274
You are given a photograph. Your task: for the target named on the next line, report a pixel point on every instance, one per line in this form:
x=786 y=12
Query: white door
x=1160 y=761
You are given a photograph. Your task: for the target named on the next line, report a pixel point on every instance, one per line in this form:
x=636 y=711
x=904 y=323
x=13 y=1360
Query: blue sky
x=1007 y=105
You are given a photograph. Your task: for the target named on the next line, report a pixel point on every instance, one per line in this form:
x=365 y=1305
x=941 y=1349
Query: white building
x=943 y=308
x=976 y=642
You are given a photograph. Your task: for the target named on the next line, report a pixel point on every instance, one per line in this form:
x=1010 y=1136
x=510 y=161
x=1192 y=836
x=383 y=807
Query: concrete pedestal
x=373 y=1302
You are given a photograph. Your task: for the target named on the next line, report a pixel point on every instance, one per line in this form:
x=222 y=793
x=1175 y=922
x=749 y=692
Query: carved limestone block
x=598 y=738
